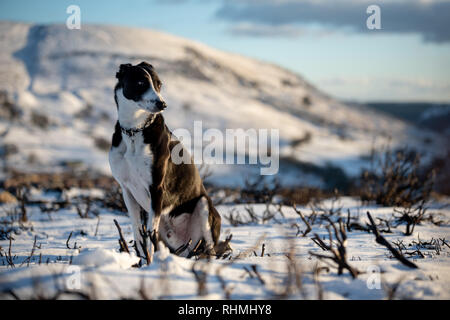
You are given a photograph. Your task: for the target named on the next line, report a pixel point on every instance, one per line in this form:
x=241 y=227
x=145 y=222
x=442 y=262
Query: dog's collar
x=133 y=131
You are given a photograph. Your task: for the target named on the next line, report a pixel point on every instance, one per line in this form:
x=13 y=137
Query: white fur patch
x=131 y=113
x=131 y=165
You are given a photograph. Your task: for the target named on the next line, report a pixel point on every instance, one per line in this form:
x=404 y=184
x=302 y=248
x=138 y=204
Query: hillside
x=58 y=108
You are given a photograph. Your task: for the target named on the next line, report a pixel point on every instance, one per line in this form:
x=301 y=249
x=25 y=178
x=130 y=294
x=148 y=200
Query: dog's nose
x=161 y=105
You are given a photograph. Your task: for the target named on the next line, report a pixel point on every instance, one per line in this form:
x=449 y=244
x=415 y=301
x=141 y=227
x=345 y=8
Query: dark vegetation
x=8 y=110
x=102 y=143
x=396 y=178
x=40 y=120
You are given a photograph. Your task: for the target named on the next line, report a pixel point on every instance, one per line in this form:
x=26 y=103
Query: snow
x=98 y=267
x=57 y=72
x=101 y=258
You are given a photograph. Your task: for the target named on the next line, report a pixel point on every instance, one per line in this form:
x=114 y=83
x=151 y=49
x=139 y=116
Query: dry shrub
x=8 y=110
x=301 y=195
x=307 y=101
x=85 y=113
x=40 y=120
x=102 y=143
x=56 y=181
x=396 y=178
x=442 y=167
x=8 y=149
x=113 y=197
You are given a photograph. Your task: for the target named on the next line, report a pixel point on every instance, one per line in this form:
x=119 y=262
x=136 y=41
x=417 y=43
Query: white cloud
x=261 y=30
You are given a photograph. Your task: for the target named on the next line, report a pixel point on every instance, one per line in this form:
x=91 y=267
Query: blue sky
x=327 y=42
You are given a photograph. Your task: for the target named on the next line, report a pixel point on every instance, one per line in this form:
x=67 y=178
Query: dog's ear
x=147 y=66
x=151 y=71
x=122 y=69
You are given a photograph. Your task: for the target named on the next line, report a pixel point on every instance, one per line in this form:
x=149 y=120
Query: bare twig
x=444 y=242
x=339 y=254
x=68 y=239
x=381 y=240
x=144 y=244
x=122 y=242
x=255 y=271
x=248 y=271
x=316 y=239
x=84 y=214
x=22 y=197
x=96 y=227
x=308 y=226
x=28 y=260
x=9 y=257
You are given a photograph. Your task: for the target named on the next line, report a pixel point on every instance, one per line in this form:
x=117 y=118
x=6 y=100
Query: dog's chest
x=131 y=164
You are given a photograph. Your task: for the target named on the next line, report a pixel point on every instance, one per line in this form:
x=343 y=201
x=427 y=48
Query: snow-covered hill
x=58 y=87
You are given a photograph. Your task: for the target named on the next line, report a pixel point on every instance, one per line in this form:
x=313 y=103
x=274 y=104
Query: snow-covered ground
x=93 y=265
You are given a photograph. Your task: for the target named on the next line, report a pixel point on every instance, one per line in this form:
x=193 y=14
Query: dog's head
x=141 y=86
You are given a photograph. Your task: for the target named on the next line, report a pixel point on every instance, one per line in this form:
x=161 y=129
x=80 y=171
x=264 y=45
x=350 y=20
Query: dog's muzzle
x=161 y=105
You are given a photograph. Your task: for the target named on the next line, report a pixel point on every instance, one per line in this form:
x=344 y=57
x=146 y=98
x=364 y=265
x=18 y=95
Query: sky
x=326 y=42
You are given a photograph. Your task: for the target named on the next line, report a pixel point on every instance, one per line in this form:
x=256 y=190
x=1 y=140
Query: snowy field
x=58 y=254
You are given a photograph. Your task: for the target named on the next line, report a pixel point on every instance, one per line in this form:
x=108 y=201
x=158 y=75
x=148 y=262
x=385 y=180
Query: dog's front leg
x=135 y=211
x=156 y=192
x=154 y=219
x=149 y=235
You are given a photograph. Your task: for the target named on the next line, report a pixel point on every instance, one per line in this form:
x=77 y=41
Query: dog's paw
x=223 y=248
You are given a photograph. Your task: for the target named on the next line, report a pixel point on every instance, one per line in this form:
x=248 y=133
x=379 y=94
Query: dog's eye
x=140 y=83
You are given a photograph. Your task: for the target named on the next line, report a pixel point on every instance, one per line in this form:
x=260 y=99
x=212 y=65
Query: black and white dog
x=166 y=202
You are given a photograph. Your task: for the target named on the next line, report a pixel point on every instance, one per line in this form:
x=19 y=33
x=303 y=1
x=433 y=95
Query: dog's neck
x=135 y=120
